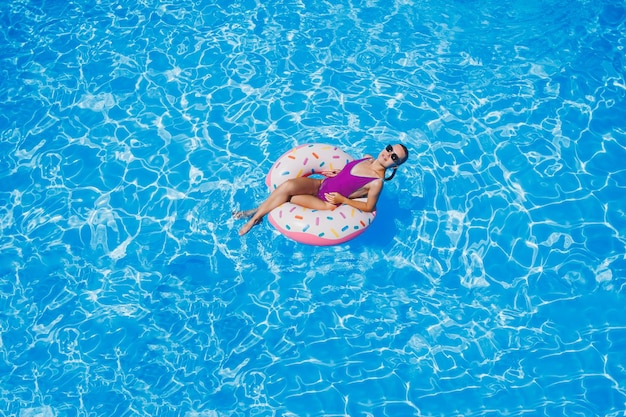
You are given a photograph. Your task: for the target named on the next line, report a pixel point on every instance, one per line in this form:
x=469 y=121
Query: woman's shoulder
x=367 y=159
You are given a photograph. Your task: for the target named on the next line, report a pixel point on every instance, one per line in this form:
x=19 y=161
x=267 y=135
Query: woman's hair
x=393 y=174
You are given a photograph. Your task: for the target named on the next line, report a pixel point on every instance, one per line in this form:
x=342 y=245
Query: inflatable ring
x=314 y=227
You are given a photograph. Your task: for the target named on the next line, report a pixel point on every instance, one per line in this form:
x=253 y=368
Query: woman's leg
x=308 y=201
x=282 y=194
x=312 y=202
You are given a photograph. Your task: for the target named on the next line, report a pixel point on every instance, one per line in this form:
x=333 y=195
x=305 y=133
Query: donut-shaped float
x=304 y=225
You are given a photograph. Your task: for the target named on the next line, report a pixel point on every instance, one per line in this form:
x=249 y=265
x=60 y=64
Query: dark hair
x=393 y=174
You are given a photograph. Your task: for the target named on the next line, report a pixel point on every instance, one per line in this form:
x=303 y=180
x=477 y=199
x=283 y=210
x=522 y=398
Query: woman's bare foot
x=246 y=227
x=244 y=214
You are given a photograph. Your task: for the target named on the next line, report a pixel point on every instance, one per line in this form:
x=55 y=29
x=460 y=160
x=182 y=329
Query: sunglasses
x=393 y=155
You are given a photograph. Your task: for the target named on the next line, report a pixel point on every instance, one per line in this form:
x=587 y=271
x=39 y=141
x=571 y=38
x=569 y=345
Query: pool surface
x=492 y=282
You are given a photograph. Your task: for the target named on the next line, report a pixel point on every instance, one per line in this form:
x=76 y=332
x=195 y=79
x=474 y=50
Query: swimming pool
x=491 y=283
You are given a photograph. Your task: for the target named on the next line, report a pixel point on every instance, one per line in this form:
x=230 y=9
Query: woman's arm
x=373 y=192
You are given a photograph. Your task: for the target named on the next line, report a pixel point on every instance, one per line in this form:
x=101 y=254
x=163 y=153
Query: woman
x=363 y=177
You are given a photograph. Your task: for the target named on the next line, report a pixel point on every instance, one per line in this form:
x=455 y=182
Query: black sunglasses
x=393 y=155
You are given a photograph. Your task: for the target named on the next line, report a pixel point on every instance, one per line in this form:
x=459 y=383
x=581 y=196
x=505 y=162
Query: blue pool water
x=492 y=283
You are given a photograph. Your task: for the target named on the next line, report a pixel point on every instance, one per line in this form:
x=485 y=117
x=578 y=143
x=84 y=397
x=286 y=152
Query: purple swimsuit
x=344 y=183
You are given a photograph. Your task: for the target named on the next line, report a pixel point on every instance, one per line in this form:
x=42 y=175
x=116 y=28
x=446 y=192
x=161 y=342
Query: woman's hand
x=331 y=173
x=335 y=198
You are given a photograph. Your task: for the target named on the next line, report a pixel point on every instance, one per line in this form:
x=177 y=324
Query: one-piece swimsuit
x=344 y=182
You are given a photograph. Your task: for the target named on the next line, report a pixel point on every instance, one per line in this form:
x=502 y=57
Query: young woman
x=360 y=178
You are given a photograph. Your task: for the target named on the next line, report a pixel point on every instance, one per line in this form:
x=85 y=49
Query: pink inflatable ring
x=314 y=227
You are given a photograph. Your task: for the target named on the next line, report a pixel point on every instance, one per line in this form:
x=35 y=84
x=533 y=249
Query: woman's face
x=392 y=155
